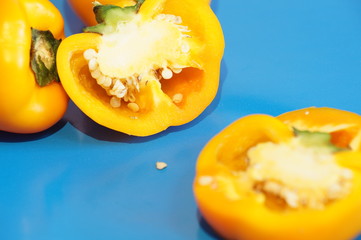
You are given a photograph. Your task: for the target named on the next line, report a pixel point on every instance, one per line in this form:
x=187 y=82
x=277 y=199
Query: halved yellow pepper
x=25 y=107
x=156 y=108
x=236 y=211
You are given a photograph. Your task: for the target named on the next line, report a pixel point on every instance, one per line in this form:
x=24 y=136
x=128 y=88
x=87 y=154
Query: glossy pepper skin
x=84 y=8
x=198 y=86
x=247 y=218
x=25 y=107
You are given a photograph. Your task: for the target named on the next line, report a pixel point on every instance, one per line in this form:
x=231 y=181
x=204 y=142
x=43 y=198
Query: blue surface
x=79 y=180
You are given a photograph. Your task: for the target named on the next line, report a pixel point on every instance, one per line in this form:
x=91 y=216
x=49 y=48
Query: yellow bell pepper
x=292 y=177
x=144 y=67
x=27 y=60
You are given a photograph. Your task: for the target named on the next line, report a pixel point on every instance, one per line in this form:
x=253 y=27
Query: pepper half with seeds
x=144 y=67
x=295 y=176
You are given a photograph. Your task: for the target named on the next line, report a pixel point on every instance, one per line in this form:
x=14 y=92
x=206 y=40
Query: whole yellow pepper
x=27 y=61
x=245 y=177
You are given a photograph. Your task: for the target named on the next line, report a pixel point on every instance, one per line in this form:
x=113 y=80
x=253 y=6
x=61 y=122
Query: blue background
x=79 y=180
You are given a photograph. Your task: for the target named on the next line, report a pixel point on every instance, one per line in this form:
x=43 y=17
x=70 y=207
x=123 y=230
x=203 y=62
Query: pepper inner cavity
x=301 y=176
x=138 y=52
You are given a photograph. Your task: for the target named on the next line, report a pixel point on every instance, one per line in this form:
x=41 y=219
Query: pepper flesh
x=26 y=107
x=198 y=86
x=246 y=216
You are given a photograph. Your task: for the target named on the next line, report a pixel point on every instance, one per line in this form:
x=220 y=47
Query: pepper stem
x=109 y=16
x=320 y=140
x=43 y=57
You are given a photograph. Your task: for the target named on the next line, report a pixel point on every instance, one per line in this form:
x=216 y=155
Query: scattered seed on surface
x=161 y=165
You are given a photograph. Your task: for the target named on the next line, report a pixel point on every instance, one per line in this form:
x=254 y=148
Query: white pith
x=302 y=176
x=139 y=52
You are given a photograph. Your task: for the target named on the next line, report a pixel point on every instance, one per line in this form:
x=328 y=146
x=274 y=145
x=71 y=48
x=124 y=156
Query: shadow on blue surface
x=207 y=229
x=214 y=6
x=86 y=125
x=15 y=137
x=76 y=25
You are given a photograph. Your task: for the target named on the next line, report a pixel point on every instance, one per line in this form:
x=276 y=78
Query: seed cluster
x=297 y=198
x=300 y=175
x=125 y=89
x=117 y=88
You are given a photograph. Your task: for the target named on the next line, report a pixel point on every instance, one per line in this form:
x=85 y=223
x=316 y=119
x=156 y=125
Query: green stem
x=320 y=140
x=109 y=16
x=43 y=57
